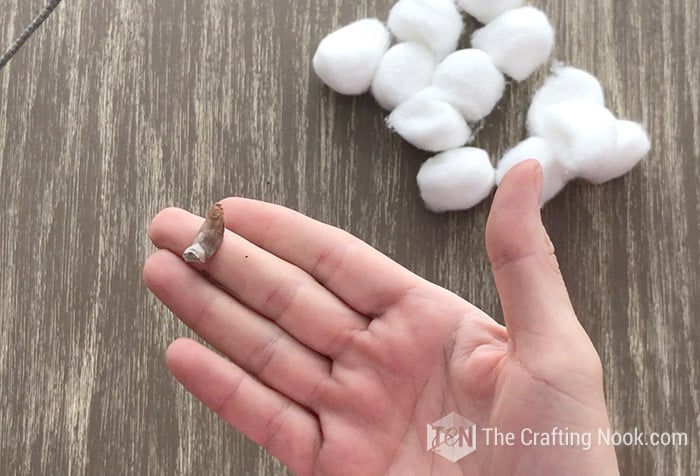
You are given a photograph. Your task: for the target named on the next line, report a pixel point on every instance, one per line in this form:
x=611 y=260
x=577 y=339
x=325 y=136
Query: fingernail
x=538 y=180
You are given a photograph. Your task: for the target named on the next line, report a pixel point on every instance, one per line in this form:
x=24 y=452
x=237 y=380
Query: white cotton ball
x=456 y=180
x=565 y=84
x=555 y=176
x=436 y=24
x=406 y=69
x=469 y=81
x=519 y=41
x=347 y=59
x=429 y=124
x=632 y=145
x=582 y=136
x=487 y=10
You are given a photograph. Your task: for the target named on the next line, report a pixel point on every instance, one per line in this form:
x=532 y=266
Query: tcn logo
x=453 y=437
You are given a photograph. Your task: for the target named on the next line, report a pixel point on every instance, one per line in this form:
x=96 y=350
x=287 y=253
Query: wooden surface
x=116 y=109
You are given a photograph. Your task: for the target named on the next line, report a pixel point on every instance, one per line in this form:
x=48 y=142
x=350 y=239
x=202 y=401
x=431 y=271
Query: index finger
x=365 y=279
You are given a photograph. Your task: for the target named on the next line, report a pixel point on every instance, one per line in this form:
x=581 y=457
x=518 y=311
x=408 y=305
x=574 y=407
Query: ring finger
x=254 y=343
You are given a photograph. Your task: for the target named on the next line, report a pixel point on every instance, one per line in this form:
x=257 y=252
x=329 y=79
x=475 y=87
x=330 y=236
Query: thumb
x=534 y=298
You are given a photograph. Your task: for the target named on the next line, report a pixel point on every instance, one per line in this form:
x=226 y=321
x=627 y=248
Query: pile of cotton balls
x=437 y=94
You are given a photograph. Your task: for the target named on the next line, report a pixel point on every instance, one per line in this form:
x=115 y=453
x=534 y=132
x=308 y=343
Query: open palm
x=337 y=357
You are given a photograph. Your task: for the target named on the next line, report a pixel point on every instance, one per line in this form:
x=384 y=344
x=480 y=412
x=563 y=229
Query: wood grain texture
x=116 y=109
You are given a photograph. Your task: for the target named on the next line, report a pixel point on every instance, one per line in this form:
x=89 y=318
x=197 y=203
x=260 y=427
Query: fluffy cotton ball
x=429 y=124
x=470 y=81
x=555 y=176
x=582 y=135
x=632 y=145
x=436 y=24
x=487 y=10
x=565 y=84
x=456 y=180
x=406 y=69
x=347 y=59
x=519 y=41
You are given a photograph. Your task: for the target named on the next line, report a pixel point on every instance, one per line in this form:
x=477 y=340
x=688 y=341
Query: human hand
x=337 y=357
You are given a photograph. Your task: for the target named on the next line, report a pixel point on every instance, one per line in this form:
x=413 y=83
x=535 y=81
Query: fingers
x=254 y=343
x=535 y=301
x=274 y=288
x=285 y=429
x=361 y=276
